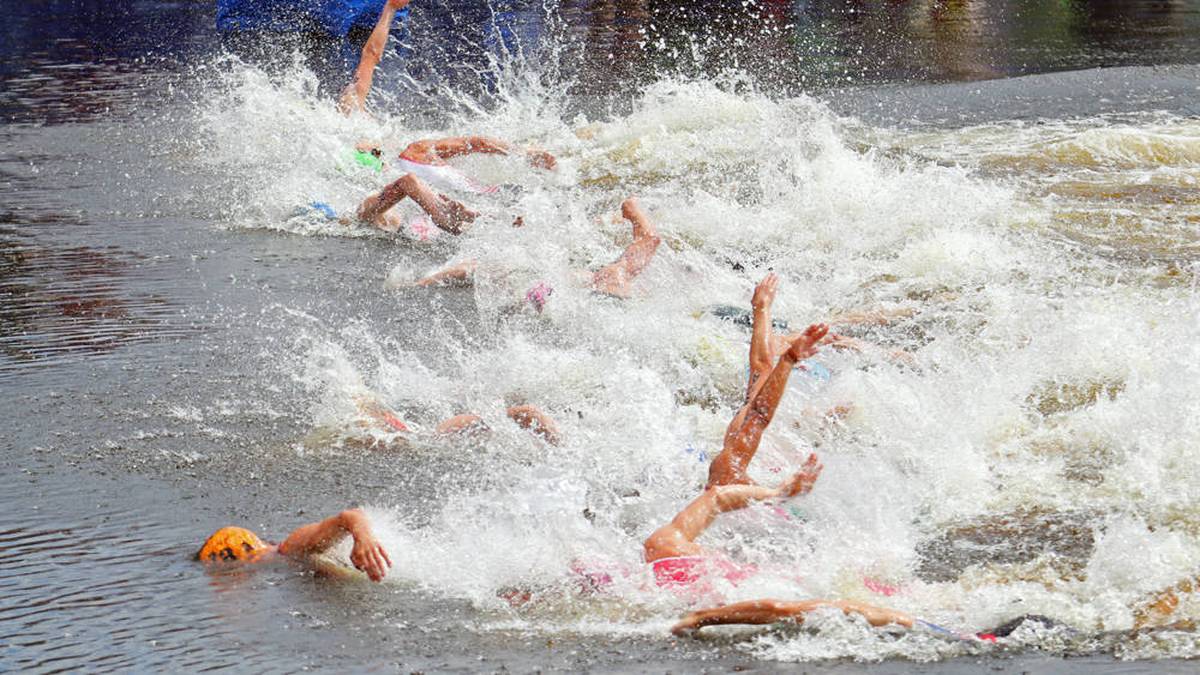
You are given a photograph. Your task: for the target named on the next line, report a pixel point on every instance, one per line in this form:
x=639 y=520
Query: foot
x=689 y=624
x=805 y=346
x=631 y=210
x=801 y=483
x=764 y=292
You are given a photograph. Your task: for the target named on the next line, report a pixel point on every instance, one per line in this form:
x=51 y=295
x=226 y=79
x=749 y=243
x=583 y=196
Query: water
x=178 y=353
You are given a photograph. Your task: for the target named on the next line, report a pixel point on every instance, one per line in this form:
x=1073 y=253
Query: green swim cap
x=368 y=160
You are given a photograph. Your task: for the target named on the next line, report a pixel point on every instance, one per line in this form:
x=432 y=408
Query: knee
x=657 y=546
x=408 y=181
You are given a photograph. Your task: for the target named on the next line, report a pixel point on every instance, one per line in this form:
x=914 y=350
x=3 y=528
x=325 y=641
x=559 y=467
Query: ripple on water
x=65 y=302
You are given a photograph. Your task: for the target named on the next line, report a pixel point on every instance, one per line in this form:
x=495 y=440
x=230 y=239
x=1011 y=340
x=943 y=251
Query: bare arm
x=758 y=612
x=536 y=421
x=368 y=554
x=460 y=273
x=460 y=424
x=354 y=96
x=678 y=537
x=445 y=148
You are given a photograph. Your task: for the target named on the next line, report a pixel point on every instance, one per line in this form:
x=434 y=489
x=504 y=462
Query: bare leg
x=445 y=212
x=615 y=278
x=759 y=612
x=746 y=429
x=762 y=339
x=354 y=96
x=462 y=273
x=678 y=537
x=536 y=421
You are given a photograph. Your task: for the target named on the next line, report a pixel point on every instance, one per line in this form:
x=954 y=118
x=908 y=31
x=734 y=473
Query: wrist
x=351 y=520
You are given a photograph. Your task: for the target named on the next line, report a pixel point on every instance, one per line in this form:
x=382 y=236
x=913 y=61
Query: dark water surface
x=147 y=363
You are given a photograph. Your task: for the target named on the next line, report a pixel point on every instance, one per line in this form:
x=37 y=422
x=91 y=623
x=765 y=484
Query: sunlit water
x=1034 y=455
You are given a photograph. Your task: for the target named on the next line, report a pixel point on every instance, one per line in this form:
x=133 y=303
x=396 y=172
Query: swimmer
x=230 y=544
x=729 y=488
x=527 y=417
x=354 y=97
x=614 y=279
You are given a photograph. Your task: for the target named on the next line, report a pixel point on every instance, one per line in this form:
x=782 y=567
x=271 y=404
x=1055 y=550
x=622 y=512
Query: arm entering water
x=367 y=555
x=773 y=611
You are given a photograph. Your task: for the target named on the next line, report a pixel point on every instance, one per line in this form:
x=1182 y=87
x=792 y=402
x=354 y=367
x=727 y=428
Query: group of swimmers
x=675 y=558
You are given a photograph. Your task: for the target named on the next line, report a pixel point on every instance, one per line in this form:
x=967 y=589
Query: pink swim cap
x=538 y=295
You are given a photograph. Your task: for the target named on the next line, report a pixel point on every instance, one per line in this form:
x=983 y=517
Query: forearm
x=373 y=49
x=318 y=537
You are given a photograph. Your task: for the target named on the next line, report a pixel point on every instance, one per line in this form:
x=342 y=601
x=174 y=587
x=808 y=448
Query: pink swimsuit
x=687 y=570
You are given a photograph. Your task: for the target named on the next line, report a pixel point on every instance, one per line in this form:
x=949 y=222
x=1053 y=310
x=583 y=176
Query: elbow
x=351 y=517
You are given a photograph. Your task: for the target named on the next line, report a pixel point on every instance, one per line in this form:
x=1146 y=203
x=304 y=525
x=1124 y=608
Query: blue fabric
x=324 y=209
x=336 y=17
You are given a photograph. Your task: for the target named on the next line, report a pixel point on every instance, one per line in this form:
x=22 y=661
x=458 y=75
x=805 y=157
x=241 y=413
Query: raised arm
x=368 y=554
x=354 y=96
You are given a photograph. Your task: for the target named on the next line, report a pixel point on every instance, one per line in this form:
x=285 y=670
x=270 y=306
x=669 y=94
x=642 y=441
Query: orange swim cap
x=230 y=543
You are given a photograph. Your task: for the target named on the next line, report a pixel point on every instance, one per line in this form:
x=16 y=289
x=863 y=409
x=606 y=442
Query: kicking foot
x=801 y=483
x=631 y=210
x=764 y=292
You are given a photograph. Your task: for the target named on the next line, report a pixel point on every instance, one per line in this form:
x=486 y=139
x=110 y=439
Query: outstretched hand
x=764 y=292
x=805 y=346
x=369 y=556
x=801 y=483
x=542 y=160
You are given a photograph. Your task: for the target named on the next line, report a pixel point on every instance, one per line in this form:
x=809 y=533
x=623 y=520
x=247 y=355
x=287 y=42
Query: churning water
x=1031 y=450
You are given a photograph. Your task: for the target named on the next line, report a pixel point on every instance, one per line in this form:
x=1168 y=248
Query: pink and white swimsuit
x=443 y=176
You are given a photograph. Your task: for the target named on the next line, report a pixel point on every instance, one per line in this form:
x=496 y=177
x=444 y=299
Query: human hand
x=801 y=483
x=764 y=292
x=398 y=4
x=806 y=345
x=542 y=159
x=369 y=556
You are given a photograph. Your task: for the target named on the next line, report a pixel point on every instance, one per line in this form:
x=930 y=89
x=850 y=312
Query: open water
x=178 y=351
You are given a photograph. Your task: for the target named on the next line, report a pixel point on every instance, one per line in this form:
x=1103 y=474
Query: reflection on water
x=72 y=60
x=65 y=301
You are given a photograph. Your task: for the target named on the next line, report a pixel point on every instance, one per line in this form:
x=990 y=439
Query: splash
x=1047 y=383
